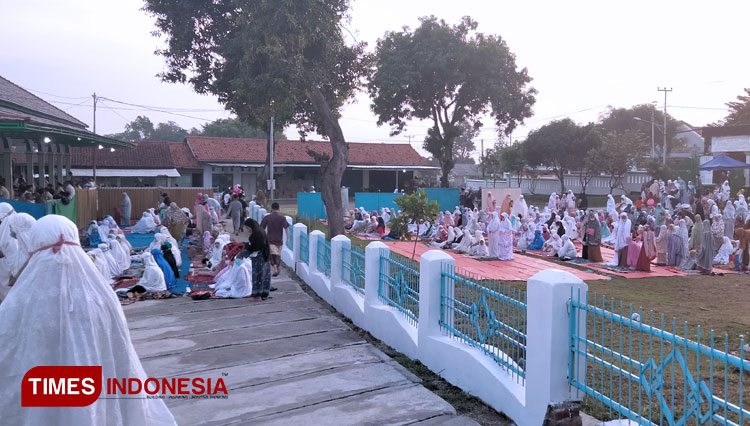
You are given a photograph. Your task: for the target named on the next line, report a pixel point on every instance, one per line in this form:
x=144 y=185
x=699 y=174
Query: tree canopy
x=234 y=128
x=637 y=120
x=561 y=146
x=739 y=110
x=142 y=129
x=449 y=75
x=464 y=146
x=263 y=59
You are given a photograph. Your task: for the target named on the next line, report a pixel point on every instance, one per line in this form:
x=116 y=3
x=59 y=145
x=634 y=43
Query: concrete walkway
x=285 y=361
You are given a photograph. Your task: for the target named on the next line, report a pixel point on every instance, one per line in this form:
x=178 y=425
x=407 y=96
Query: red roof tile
x=145 y=155
x=182 y=156
x=227 y=149
x=254 y=150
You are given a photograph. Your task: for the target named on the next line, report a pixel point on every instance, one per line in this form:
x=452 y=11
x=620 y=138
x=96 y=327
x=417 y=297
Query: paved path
x=287 y=360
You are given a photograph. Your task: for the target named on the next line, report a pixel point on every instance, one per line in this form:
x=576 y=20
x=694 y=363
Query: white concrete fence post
x=338 y=244
x=313 y=250
x=372 y=271
x=548 y=339
x=299 y=228
x=430 y=282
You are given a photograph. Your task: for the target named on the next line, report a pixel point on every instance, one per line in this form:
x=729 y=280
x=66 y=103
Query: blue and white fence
x=637 y=366
x=524 y=351
x=500 y=344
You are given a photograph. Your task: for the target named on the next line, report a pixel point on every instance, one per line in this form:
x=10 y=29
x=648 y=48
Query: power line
x=56 y=96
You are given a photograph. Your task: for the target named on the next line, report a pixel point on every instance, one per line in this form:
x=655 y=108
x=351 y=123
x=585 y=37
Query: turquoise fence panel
x=310 y=205
x=353 y=267
x=324 y=257
x=635 y=365
x=447 y=198
x=36 y=210
x=375 y=200
x=487 y=315
x=399 y=284
x=304 y=249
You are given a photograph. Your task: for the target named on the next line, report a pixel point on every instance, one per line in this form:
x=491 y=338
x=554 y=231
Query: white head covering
x=114 y=267
x=100 y=263
x=153 y=277
x=551 y=203
x=726 y=249
x=61 y=332
x=521 y=207
x=145 y=225
x=236 y=283
x=20 y=226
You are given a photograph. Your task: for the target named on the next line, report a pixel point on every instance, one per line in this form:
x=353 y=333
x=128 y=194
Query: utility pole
x=96 y=145
x=271 y=183
x=653 y=147
x=481 y=158
x=664 y=131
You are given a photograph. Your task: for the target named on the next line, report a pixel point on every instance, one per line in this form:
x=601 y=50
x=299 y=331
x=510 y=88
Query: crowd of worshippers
x=31 y=193
x=237 y=269
x=669 y=225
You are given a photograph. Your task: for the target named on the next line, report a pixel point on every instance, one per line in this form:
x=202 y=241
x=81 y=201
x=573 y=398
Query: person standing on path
x=275 y=224
x=235 y=213
x=257 y=247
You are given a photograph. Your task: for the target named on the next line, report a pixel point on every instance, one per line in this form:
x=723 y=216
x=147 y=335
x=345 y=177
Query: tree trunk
x=333 y=169
x=446 y=170
x=561 y=178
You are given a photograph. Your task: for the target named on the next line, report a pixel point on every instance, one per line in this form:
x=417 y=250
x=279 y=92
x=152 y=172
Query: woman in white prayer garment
x=621 y=240
x=569 y=223
x=100 y=263
x=505 y=242
x=145 y=225
x=726 y=249
x=121 y=257
x=466 y=242
x=62 y=312
x=238 y=282
x=114 y=268
x=153 y=277
x=611 y=206
x=568 y=250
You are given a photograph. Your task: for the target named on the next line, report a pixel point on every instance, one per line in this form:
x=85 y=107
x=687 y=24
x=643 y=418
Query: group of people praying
x=670 y=225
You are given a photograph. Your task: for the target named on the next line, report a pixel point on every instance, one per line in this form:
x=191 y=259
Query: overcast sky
x=582 y=58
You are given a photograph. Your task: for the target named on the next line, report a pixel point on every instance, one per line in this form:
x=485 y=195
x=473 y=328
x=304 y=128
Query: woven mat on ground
x=521 y=268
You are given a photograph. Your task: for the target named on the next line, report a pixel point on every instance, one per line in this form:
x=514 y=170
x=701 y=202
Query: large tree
x=262 y=59
x=560 y=146
x=235 y=128
x=142 y=129
x=512 y=160
x=615 y=157
x=637 y=119
x=739 y=110
x=449 y=75
x=464 y=146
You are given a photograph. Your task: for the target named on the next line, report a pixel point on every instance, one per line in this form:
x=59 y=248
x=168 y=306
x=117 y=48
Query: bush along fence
x=533 y=355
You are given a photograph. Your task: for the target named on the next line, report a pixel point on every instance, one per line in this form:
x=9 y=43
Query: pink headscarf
x=199 y=199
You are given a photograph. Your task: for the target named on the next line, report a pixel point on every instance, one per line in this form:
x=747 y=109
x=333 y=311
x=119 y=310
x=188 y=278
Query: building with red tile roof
x=223 y=162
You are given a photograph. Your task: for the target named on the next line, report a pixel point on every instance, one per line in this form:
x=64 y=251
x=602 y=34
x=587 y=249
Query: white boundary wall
x=547 y=339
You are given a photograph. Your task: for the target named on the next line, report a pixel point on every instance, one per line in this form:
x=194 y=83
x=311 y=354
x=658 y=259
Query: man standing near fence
x=275 y=224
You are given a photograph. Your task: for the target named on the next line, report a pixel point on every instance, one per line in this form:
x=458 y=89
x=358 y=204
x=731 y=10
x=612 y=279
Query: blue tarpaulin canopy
x=723 y=162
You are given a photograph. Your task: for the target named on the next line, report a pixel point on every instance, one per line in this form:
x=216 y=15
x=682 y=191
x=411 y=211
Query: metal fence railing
x=324 y=257
x=487 y=315
x=353 y=267
x=399 y=284
x=633 y=365
x=304 y=249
